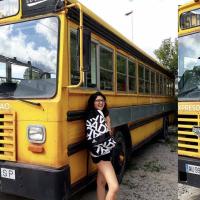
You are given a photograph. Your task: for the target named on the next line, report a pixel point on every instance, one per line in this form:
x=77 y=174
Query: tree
x=167 y=54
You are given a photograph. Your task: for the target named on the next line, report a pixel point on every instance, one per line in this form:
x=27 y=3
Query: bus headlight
x=36 y=134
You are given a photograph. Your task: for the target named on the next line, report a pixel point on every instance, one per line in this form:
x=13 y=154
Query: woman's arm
x=108 y=122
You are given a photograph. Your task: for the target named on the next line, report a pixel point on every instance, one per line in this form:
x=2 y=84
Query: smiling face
x=99 y=103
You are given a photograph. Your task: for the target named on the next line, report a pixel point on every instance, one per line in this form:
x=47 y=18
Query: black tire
x=165 y=133
x=119 y=155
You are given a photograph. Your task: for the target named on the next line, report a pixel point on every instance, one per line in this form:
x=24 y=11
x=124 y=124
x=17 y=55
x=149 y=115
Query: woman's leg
x=101 y=183
x=106 y=168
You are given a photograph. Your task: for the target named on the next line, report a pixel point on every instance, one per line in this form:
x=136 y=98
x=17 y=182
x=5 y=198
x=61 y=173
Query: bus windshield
x=28 y=59
x=189 y=66
x=8 y=8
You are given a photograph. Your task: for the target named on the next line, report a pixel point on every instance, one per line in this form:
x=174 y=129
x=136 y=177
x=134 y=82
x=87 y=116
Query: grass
x=153 y=166
x=172 y=143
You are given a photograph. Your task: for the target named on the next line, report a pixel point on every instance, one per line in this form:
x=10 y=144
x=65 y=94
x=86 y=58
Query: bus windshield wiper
x=23 y=100
x=189 y=90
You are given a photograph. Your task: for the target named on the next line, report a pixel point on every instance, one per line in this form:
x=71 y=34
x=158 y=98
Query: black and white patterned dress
x=99 y=141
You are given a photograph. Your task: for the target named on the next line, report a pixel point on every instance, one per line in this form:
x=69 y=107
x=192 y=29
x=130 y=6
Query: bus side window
x=121 y=73
x=147 y=81
x=91 y=74
x=161 y=84
x=75 y=72
x=132 y=76
x=157 y=83
x=165 y=85
x=106 y=68
x=152 y=82
x=141 y=78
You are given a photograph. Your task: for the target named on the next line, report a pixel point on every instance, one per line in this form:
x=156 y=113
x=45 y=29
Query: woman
x=100 y=144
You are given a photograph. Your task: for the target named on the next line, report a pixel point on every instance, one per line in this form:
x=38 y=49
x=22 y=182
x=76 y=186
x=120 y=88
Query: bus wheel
x=119 y=155
x=165 y=128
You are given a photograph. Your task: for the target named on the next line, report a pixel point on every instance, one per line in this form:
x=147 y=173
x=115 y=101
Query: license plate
x=193 y=169
x=8 y=173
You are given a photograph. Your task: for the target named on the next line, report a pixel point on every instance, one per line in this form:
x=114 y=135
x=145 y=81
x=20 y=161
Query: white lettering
x=4 y=106
x=189 y=107
x=31 y=3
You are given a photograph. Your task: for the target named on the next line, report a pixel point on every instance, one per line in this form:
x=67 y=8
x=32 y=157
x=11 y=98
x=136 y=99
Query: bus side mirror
x=86 y=48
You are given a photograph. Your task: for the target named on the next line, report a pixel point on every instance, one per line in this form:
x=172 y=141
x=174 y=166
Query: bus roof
x=138 y=53
x=187 y=5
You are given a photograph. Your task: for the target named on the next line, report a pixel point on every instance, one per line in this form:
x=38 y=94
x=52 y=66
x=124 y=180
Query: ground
x=151 y=174
x=186 y=192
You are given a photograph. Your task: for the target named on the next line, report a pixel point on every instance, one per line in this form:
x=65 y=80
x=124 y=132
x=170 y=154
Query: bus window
x=106 y=68
x=152 y=82
x=8 y=8
x=91 y=74
x=121 y=73
x=75 y=73
x=190 y=19
x=29 y=53
x=164 y=86
x=147 y=81
x=161 y=84
x=132 y=76
x=2 y=72
x=167 y=87
x=171 y=88
x=157 y=83
x=141 y=78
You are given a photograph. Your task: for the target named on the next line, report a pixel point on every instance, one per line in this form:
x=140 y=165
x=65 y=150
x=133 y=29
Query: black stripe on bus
x=75 y=115
x=124 y=115
x=79 y=146
x=76 y=147
x=146 y=121
x=106 y=34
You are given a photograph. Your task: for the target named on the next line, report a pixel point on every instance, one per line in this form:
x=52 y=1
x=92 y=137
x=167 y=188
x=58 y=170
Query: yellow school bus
x=53 y=55
x=189 y=94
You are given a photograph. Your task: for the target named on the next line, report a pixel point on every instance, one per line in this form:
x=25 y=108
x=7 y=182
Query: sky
x=153 y=20
x=34 y=41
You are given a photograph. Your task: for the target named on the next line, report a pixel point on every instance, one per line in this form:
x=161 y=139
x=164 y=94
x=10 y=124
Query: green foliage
x=153 y=166
x=167 y=54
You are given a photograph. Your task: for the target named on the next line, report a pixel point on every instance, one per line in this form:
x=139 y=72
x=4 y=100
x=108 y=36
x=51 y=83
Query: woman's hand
x=108 y=122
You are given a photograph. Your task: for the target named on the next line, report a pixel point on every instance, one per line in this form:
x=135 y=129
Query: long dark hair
x=91 y=100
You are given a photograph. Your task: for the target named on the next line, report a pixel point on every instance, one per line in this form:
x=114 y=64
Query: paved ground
x=151 y=174
x=186 y=192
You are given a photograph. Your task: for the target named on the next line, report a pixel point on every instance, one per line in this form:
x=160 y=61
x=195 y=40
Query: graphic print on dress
x=96 y=129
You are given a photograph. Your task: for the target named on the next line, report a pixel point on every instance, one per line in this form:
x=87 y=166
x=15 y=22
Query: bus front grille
x=7 y=136
x=188 y=141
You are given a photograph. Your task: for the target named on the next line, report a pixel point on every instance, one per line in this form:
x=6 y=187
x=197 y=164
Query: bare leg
x=101 y=183
x=106 y=168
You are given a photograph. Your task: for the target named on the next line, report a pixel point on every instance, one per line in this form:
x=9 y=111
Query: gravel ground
x=151 y=174
x=186 y=192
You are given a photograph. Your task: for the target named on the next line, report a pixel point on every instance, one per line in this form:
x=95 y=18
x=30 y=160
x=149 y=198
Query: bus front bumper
x=189 y=171
x=33 y=182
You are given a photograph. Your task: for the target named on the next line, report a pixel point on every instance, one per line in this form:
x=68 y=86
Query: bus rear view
x=189 y=94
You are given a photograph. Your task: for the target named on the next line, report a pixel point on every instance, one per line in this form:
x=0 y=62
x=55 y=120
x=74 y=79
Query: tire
x=119 y=155
x=165 y=132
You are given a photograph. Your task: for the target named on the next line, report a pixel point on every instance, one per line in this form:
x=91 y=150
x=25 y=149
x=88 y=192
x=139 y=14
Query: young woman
x=100 y=143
